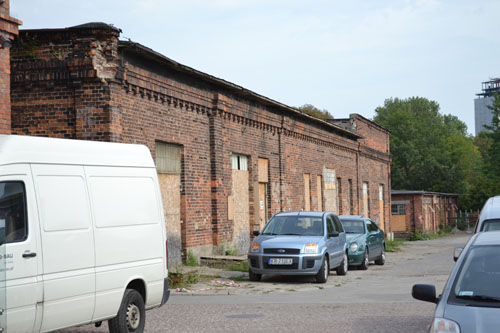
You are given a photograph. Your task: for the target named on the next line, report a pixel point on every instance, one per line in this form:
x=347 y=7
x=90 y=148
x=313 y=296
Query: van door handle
x=29 y=255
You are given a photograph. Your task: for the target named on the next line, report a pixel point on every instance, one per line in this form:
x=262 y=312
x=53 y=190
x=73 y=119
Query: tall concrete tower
x=483 y=114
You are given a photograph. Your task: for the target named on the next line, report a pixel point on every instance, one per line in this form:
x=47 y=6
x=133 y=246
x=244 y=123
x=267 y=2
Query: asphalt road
x=377 y=300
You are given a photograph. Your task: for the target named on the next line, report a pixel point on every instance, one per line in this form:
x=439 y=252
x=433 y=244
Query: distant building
x=483 y=114
x=422 y=211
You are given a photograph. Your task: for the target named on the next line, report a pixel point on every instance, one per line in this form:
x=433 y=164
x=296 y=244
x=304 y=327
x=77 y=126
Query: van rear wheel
x=131 y=316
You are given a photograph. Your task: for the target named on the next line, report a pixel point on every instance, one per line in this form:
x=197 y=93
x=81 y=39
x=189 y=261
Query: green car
x=365 y=241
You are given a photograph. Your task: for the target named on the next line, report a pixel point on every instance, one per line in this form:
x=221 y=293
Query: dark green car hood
x=355 y=237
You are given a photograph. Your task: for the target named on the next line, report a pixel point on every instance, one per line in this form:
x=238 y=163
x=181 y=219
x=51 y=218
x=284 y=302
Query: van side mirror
x=333 y=234
x=457 y=252
x=425 y=292
x=256 y=232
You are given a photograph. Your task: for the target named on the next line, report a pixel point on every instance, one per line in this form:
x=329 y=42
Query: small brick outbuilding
x=421 y=211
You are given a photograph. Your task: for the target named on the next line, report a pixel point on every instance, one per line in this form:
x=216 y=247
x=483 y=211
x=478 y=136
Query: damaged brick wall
x=8 y=30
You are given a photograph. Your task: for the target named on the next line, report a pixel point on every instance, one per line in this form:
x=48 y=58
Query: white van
x=489 y=218
x=84 y=238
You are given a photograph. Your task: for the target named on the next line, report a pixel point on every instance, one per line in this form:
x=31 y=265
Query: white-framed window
x=239 y=162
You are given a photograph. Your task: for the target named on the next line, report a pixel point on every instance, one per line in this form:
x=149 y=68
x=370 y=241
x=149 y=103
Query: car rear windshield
x=478 y=280
x=295 y=225
x=491 y=225
x=353 y=226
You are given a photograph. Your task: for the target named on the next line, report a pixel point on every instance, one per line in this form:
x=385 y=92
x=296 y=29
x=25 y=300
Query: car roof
x=303 y=213
x=491 y=209
x=487 y=238
x=352 y=217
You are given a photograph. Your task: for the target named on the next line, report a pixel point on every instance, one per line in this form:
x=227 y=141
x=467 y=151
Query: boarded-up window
x=307 y=192
x=319 y=190
x=366 y=200
x=263 y=170
x=168 y=158
x=329 y=179
x=239 y=162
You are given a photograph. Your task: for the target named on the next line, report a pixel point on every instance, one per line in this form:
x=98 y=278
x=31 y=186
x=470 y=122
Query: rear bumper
x=166 y=291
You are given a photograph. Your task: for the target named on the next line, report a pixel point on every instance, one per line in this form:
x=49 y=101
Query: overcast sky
x=343 y=56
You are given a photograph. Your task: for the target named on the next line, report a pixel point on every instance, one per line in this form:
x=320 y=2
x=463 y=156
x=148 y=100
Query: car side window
x=338 y=225
x=371 y=226
x=13 y=221
x=329 y=224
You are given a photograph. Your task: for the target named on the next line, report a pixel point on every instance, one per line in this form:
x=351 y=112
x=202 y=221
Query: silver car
x=299 y=243
x=471 y=298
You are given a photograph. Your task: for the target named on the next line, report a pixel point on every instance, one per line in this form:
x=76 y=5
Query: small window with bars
x=168 y=158
x=398 y=209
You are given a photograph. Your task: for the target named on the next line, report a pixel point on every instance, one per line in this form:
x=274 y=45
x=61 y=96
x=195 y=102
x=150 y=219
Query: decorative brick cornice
x=9 y=25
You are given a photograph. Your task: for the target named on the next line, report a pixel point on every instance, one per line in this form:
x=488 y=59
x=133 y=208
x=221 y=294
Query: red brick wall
x=8 y=29
x=78 y=83
x=58 y=83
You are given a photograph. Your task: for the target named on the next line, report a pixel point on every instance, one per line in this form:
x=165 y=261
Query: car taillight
x=166 y=250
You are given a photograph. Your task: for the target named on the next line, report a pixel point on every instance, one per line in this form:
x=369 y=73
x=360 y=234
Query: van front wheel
x=131 y=315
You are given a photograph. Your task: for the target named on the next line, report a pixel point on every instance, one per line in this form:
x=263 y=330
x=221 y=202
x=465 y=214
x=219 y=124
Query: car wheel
x=131 y=315
x=381 y=260
x=344 y=266
x=365 y=262
x=323 y=272
x=254 y=276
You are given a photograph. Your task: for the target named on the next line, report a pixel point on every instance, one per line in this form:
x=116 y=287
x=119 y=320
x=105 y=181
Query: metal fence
x=465 y=220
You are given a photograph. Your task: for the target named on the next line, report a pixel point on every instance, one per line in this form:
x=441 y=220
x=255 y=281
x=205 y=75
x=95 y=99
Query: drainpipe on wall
x=280 y=161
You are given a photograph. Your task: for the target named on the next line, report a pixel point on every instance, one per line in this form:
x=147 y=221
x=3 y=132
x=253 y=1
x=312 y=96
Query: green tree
x=491 y=149
x=315 y=112
x=430 y=151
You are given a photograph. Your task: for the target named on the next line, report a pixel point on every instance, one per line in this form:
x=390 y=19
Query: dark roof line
x=423 y=192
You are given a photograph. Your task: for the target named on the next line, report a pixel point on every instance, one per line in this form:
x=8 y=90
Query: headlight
x=353 y=247
x=255 y=247
x=441 y=325
x=311 y=248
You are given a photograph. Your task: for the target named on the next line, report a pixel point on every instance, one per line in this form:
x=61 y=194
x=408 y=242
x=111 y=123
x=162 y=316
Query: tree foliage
x=430 y=151
x=315 y=112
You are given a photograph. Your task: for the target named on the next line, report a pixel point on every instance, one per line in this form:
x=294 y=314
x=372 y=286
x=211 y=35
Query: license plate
x=280 y=261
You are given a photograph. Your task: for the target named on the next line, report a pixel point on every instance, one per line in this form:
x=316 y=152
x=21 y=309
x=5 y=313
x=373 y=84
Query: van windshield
x=295 y=226
x=477 y=282
x=491 y=225
x=13 y=224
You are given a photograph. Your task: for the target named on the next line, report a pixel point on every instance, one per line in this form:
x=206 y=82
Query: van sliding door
x=67 y=243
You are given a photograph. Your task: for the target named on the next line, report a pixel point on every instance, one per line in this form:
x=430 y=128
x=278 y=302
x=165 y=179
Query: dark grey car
x=471 y=298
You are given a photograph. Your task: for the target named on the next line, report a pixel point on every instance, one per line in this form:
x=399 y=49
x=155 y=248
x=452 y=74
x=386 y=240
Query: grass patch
x=393 y=246
x=191 y=259
x=419 y=235
x=240 y=266
x=184 y=280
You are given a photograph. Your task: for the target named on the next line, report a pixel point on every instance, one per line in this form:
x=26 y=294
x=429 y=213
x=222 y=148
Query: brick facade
x=83 y=83
x=8 y=30
x=424 y=212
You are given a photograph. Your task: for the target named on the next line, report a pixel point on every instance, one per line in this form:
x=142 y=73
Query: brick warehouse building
x=227 y=158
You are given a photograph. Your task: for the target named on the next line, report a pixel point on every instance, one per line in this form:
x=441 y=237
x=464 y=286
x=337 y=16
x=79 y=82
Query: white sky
x=343 y=56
